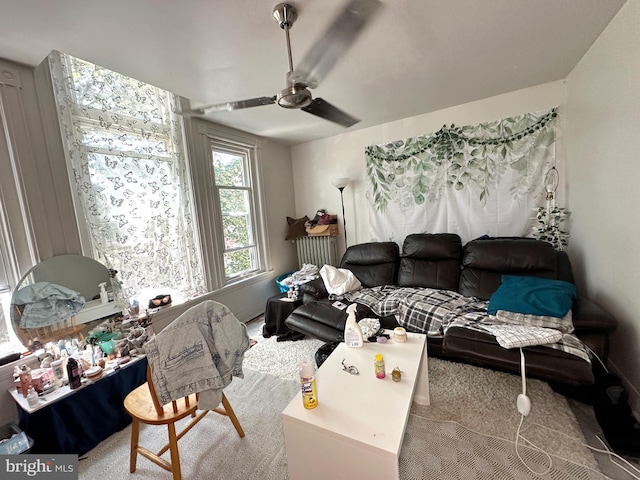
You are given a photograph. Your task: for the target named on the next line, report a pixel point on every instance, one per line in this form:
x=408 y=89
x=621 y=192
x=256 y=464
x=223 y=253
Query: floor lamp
x=340 y=183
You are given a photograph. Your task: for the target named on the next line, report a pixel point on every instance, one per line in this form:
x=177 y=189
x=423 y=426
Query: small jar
x=399 y=335
x=396 y=375
x=378 y=365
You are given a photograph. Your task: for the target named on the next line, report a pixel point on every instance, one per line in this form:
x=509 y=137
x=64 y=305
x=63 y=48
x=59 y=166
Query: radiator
x=317 y=250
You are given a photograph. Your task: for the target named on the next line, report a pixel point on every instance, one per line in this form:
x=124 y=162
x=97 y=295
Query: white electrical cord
x=535 y=447
x=538 y=448
x=635 y=475
x=595 y=355
x=524 y=408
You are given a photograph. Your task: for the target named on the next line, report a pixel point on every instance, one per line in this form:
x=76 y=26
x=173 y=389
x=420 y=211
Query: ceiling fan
x=321 y=58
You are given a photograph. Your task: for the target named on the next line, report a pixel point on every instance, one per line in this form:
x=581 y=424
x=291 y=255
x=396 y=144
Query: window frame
x=203 y=138
x=247 y=189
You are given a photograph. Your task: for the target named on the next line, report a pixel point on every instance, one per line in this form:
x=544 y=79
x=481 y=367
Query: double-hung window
x=235 y=204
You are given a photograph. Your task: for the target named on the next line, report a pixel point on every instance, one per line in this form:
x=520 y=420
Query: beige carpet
x=480 y=400
x=484 y=400
x=213 y=449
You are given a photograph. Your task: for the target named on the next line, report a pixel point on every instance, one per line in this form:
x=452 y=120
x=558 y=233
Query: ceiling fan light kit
x=340 y=35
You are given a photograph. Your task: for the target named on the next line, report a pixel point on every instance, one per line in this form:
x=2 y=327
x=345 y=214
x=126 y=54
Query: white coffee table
x=356 y=430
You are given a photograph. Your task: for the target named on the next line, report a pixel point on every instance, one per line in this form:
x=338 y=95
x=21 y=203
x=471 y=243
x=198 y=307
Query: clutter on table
x=72 y=361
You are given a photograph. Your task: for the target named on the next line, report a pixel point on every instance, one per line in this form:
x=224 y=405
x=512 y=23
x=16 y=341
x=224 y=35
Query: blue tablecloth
x=80 y=421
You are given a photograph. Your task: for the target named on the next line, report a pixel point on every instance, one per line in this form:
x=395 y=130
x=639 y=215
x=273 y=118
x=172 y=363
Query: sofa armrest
x=313 y=290
x=589 y=317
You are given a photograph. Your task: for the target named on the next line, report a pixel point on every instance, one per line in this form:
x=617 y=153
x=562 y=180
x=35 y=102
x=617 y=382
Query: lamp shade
x=340 y=182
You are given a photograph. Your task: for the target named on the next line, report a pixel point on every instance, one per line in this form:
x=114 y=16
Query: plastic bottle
x=308 y=384
x=25 y=380
x=73 y=370
x=104 y=296
x=58 y=372
x=378 y=365
x=32 y=397
x=352 y=331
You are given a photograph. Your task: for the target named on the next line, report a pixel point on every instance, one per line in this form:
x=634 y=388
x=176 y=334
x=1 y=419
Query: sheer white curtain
x=125 y=150
x=474 y=180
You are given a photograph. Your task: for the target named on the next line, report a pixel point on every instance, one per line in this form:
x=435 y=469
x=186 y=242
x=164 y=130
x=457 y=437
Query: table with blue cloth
x=77 y=421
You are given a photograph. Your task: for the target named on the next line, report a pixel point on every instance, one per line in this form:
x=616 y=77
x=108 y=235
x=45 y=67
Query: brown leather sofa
x=475 y=270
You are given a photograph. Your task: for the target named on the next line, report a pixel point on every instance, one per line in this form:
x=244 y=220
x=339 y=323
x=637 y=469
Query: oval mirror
x=74 y=272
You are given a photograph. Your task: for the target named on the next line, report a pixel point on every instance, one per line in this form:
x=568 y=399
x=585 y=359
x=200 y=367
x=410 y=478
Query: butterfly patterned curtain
x=126 y=153
x=475 y=180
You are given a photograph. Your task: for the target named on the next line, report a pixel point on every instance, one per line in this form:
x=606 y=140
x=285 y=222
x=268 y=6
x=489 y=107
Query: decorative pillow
x=533 y=295
x=564 y=324
x=297 y=228
x=339 y=281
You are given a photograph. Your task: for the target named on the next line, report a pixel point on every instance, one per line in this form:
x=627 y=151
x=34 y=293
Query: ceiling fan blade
x=340 y=35
x=225 y=107
x=323 y=109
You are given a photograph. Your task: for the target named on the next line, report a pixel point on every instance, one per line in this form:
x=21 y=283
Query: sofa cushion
x=533 y=295
x=430 y=261
x=546 y=363
x=374 y=264
x=486 y=260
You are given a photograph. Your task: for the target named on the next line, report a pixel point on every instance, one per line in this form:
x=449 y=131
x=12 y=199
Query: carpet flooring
x=213 y=449
x=471 y=422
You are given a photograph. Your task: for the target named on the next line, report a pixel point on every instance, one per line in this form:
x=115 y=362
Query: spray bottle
x=352 y=332
x=308 y=384
x=104 y=296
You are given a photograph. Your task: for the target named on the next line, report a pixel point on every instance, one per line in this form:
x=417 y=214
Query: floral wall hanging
x=472 y=180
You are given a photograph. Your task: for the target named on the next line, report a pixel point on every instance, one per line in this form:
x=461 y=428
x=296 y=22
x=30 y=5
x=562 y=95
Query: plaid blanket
x=424 y=310
x=433 y=311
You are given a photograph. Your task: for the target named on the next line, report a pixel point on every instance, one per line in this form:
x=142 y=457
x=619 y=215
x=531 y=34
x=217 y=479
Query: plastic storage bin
x=13 y=440
x=283 y=288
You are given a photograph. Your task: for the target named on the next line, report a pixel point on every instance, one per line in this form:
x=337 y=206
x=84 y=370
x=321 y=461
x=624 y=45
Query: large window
x=132 y=179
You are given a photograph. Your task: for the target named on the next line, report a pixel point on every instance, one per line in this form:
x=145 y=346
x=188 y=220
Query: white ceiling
x=416 y=56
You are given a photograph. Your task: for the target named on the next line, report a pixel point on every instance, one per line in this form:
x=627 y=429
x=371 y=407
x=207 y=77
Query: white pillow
x=339 y=281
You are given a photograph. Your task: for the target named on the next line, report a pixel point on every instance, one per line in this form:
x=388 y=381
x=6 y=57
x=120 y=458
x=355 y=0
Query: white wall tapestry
x=474 y=180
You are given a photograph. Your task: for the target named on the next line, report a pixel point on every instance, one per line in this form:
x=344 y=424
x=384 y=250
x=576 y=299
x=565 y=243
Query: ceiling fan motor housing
x=294 y=96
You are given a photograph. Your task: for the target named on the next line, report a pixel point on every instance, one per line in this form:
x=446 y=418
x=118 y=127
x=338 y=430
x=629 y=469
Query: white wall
x=316 y=163
x=603 y=145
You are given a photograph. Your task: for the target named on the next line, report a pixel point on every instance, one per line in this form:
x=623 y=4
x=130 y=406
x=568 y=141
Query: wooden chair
x=144 y=407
